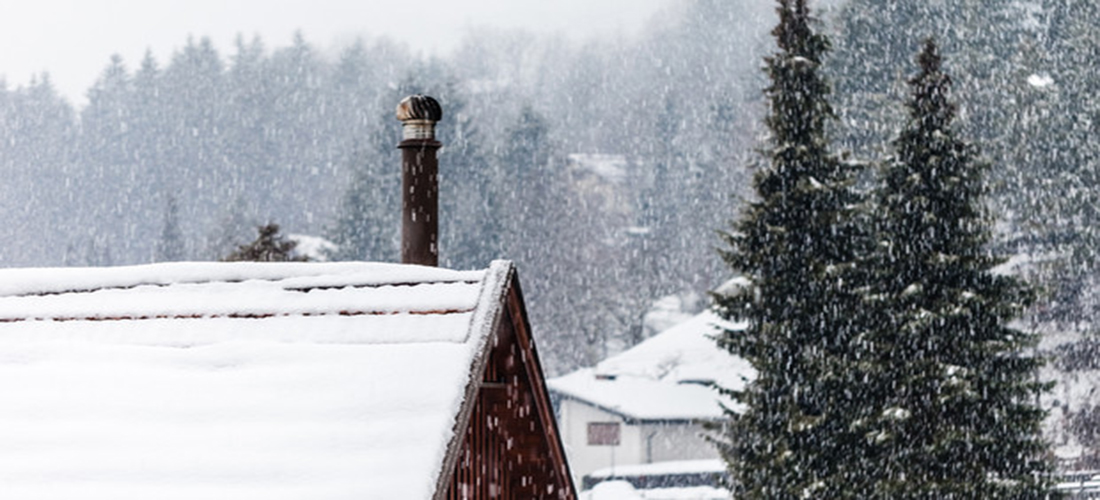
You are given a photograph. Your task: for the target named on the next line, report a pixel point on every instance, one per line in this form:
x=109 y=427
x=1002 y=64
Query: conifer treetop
x=930 y=88
x=794 y=33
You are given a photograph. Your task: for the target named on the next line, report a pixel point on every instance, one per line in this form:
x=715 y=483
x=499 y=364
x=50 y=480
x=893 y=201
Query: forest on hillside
x=598 y=167
x=604 y=168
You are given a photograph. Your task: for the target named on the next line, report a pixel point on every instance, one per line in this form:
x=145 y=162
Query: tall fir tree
x=105 y=122
x=40 y=137
x=171 y=246
x=251 y=163
x=958 y=384
x=108 y=147
x=797 y=245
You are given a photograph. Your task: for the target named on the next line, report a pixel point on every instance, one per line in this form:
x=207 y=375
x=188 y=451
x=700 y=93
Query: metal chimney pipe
x=420 y=180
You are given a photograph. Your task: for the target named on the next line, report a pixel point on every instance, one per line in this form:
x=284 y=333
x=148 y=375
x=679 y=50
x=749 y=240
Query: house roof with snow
x=622 y=490
x=706 y=466
x=248 y=380
x=664 y=378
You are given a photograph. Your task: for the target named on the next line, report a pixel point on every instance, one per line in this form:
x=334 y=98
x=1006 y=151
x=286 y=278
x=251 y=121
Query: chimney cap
x=419 y=107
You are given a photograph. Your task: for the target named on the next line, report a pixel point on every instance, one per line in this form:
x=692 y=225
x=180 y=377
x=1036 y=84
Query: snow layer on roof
x=713 y=466
x=640 y=398
x=622 y=490
x=241 y=381
x=686 y=352
x=57 y=280
x=687 y=493
x=663 y=377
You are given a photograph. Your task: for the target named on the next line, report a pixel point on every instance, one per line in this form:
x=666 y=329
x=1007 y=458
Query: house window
x=603 y=434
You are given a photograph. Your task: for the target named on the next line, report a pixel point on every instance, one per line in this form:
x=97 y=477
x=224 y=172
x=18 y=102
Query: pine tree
x=797 y=245
x=250 y=171
x=194 y=143
x=958 y=385
x=105 y=122
x=171 y=246
x=270 y=246
x=40 y=141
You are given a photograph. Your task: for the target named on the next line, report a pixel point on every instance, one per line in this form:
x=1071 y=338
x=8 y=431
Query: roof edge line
x=261 y=315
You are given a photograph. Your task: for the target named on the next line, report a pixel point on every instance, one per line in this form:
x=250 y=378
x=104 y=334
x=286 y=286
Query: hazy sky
x=74 y=39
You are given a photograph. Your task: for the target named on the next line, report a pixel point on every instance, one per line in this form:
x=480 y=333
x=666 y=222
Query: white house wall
x=583 y=459
x=638 y=444
x=667 y=442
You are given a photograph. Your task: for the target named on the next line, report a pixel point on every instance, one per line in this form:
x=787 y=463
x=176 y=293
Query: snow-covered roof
x=664 y=377
x=714 y=465
x=686 y=352
x=639 y=398
x=242 y=380
x=622 y=490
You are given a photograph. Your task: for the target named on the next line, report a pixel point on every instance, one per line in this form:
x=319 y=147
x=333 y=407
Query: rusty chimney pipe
x=420 y=180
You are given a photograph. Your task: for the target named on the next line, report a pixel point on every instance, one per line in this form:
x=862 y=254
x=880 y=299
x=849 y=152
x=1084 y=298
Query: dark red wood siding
x=507 y=452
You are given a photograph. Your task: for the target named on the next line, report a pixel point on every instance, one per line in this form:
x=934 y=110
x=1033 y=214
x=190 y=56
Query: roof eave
x=634 y=419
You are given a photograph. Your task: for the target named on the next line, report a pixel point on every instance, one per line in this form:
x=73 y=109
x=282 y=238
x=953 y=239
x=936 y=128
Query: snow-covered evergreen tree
x=797 y=245
x=958 y=385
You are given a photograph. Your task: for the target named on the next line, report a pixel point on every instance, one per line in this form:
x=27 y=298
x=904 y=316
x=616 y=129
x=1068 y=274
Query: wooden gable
x=510 y=446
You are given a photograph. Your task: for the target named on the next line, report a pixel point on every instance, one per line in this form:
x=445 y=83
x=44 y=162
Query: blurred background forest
x=604 y=168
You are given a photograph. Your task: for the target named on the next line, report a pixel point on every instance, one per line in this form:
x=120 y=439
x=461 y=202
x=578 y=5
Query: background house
x=274 y=381
x=647 y=404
